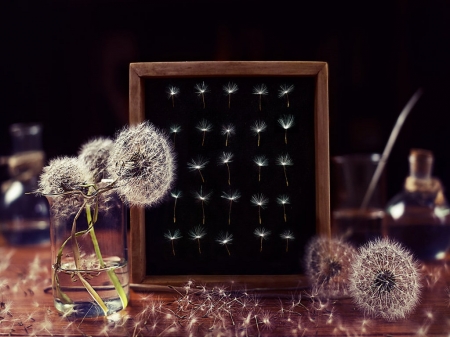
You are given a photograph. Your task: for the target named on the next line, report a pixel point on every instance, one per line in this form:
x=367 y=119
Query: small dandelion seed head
x=225 y=238
x=204 y=126
x=327 y=265
x=261 y=161
x=284 y=160
x=225 y=158
x=197 y=164
x=258 y=127
x=232 y=196
x=176 y=194
x=172 y=91
x=286 y=121
x=197 y=233
x=283 y=200
x=385 y=280
x=201 y=88
x=287 y=235
x=230 y=88
x=202 y=196
x=143 y=162
x=260 y=90
x=261 y=233
x=285 y=90
x=175 y=235
x=228 y=129
x=259 y=200
x=94 y=154
x=175 y=128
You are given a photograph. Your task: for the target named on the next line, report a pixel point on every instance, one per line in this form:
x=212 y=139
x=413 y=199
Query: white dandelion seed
x=283 y=200
x=261 y=201
x=257 y=128
x=175 y=194
x=286 y=122
x=175 y=128
x=233 y=196
x=229 y=89
x=228 y=130
x=285 y=160
x=287 y=235
x=260 y=90
x=198 y=165
x=201 y=90
x=260 y=161
x=196 y=234
x=204 y=126
x=171 y=93
x=203 y=198
x=327 y=264
x=385 y=280
x=226 y=158
x=285 y=90
x=261 y=233
x=172 y=237
x=225 y=239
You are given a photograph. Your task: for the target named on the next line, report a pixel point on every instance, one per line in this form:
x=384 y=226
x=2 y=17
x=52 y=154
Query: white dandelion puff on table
x=260 y=161
x=285 y=160
x=262 y=234
x=283 y=200
x=176 y=194
x=257 y=128
x=287 y=235
x=204 y=126
x=261 y=202
x=286 y=122
x=198 y=165
x=196 y=234
x=172 y=236
x=201 y=89
x=385 y=280
x=225 y=239
x=233 y=196
x=284 y=91
x=230 y=89
x=327 y=265
x=260 y=90
x=172 y=92
x=204 y=199
x=228 y=131
x=175 y=129
x=225 y=159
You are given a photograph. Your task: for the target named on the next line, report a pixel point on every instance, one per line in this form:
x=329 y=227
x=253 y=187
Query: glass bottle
x=418 y=216
x=24 y=218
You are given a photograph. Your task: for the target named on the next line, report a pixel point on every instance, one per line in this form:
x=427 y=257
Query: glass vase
x=90 y=275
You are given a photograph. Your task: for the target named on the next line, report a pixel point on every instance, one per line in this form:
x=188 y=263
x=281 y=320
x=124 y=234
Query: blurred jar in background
x=24 y=218
x=418 y=216
x=350 y=179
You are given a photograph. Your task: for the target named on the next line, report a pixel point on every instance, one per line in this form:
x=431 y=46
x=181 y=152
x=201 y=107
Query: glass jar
x=418 y=216
x=90 y=274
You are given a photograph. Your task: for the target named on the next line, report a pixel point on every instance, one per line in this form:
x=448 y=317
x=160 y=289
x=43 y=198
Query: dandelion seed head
x=230 y=88
x=232 y=196
x=94 y=155
x=201 y=88
x=197 y=164
x=283 y=199
x=172 y=91
x=225 y=158
x=176 y=194
x=224 y=238
x=286 y=121
x=287 y=235
x=284 y=160
x=175 y=128
x=261 y=161
x=261 y=233
x=327 y=265
x=285 y=90
x=204 y=126
x=259 y=200
x=204 y=197
x=385 y=280
x=197 y=233
x=228 y=129
x=260 y=90
x=258 y=126
x=175 y=235
x=143 y=162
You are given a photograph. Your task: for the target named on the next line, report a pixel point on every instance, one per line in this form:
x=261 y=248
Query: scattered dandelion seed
x=225 y=240
x=204 y=126
x=172 y=92
x=175 y=129
x=261 y=201
x=196 y=234
x=285 y=160
x=201 y=90
x=226 y=158
x=260 y=90
x=327 y=265
x=385 y=280
x=204 y=198
x=257 y=128
x=198 y=164
x=260 y=161
x=287 y=235
x=284 y=200
x=172 y=237
x=285 y=90
x=286 y=122
x=175 y=194
x=233 y=196
x=261 y=233
x=229 y=89
x=228 y=130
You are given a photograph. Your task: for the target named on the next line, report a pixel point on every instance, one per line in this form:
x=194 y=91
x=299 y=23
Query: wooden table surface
x=27 y=308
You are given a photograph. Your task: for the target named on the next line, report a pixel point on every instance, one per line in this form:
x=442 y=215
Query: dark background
x=65 y=64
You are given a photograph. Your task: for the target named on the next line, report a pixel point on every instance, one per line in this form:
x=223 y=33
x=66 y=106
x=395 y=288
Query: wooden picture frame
x=139 y=73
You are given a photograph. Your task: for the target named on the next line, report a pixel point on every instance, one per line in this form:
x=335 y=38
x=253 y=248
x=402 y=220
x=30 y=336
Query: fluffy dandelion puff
x=284 y=91
x=287 y=235
x=229 y=89
x=201 y=90
x=262 y=234
x=327 y=265
x=144 y=164
x=171 y=93
x=385 y=280
x=286 y=122
x=196 y=234
x=225 y=239
x=257 y=128
x=94 y=154
x=260 y=201
x=260 y=90
x=228 y=130
x=172 y=237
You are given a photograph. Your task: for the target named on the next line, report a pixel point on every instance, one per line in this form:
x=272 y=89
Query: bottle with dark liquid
x=418 y=217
